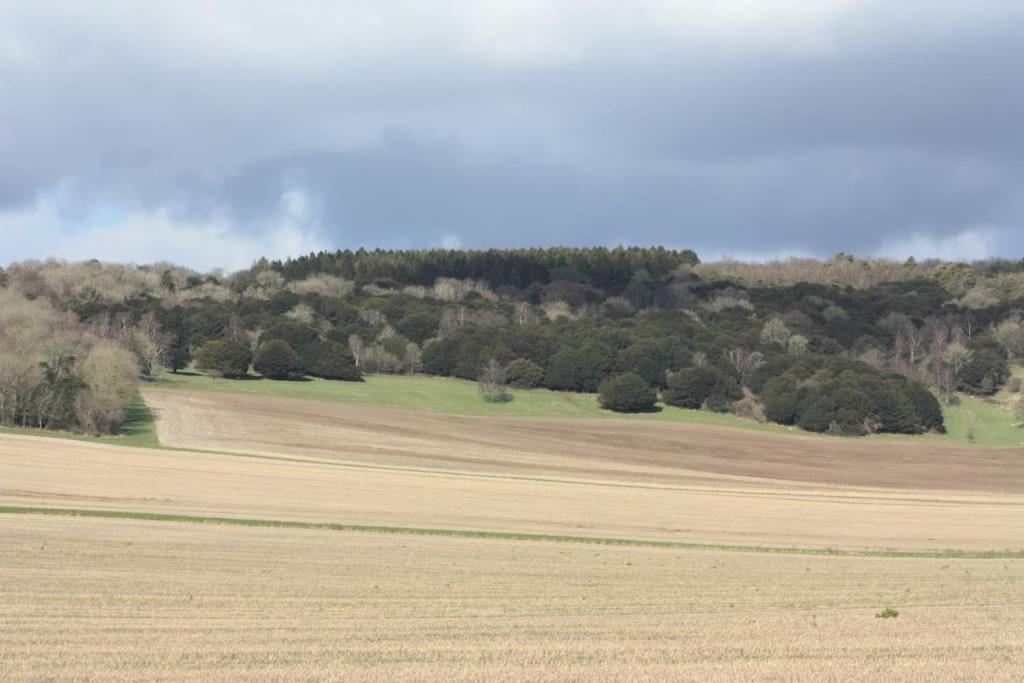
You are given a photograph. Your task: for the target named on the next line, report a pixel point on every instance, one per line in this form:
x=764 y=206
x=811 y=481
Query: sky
x=212 y=133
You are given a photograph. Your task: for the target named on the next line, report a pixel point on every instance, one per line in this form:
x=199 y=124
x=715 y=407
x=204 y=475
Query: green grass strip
x=507 y=536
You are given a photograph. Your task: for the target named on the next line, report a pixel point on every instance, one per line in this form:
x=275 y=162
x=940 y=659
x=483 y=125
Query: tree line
x=635 y=325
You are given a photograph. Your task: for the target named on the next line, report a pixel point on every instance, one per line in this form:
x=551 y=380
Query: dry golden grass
x=128 y=600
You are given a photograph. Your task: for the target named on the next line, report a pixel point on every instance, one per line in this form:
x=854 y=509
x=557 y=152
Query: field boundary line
x=507 y=535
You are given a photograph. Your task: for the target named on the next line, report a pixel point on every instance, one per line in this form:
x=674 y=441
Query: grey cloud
x=899 y=125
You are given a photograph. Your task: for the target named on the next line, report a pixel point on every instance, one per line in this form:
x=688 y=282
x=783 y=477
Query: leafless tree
x=356 y=346
x=372 y=317
x=875 y=358
x=775 y=332
x=1010 y=335
x=970 y=324
x=797 y=344
x=524 y=314
x=413 y=358
x=745 y=362
x=235 y=330
x=491 y=383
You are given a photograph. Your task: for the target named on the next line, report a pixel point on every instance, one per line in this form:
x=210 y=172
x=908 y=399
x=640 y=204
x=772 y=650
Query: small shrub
x=888 y=613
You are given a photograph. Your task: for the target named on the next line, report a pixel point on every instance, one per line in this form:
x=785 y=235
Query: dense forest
x=847 y=346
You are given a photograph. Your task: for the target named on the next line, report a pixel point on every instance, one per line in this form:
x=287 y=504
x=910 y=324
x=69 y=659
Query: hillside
x=877 y=348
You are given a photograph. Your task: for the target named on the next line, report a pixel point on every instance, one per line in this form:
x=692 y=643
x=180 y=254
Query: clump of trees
x=702 y=387
x=57 y=374
x=823 y=394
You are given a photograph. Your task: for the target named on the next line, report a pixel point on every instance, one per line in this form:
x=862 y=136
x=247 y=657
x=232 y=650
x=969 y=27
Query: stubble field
x=478 y=549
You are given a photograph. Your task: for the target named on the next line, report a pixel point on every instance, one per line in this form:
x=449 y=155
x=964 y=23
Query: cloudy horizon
x=210 y=134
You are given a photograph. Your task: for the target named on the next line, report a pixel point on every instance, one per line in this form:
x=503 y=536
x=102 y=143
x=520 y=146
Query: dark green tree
x=224 y=358
x=524 y=373
x=690 y=388
x=779 y=397
x=627 y=393
x=419 y=327
x=819 y=415
x=178 y=353
x=649 y=358
x=579 y=369
x=984 y=373
x=275 y=359
x=335 y=361
x=439 y=357
x=926 y=407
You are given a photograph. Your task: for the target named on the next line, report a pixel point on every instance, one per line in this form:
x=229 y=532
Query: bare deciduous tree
x=413 y=358
x=745 y=362
x=797 y=344
x=491 y=383
x=1010 y=335
x=524 y=314
x=775 y=332
x=356 y=346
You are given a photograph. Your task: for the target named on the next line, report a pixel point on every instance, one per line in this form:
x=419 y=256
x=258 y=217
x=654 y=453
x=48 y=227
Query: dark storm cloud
x=875 y=130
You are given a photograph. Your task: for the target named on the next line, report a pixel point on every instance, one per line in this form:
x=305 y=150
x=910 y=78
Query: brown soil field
x=122 y=600
x=56 y=473
x=607 y=449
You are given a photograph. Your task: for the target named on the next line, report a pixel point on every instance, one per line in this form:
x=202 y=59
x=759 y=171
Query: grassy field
x=988 y=421
x=126 y=600
x=443 y=395
x=982 y=422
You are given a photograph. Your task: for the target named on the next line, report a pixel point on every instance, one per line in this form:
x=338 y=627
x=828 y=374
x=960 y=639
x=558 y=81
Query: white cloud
x=554 y=31
x=969 y=245
x=144 y=237
x=710 y=255
x=451 y=241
